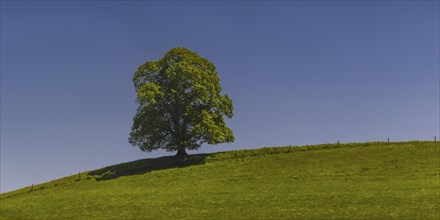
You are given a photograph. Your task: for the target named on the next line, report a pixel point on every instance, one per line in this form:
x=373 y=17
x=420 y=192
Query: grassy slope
x=352 y=181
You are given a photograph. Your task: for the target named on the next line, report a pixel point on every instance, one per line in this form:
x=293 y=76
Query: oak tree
x=180 y=105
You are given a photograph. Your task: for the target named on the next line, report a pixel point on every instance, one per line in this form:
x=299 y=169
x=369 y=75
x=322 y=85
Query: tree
x=180 y=105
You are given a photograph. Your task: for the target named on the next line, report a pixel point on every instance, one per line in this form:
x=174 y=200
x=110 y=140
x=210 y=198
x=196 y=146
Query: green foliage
x=349 y=181
x=180 y=104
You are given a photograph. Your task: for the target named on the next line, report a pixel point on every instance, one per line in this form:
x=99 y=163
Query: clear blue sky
x=298 y=73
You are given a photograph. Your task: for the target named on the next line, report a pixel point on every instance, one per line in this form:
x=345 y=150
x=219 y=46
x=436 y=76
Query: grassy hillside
x=349 y=181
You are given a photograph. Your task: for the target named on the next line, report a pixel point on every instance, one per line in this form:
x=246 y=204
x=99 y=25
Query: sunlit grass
x=350 y=181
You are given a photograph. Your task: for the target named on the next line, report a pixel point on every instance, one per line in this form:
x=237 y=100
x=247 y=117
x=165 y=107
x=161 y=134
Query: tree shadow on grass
x=146 y=165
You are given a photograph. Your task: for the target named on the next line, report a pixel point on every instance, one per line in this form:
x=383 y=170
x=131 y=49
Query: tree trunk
x=181 y=153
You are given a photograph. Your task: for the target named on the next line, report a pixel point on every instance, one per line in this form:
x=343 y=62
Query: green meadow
x=347 y=181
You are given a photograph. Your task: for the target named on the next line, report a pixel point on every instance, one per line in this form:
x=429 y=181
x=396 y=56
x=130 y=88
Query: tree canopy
x=180 y=105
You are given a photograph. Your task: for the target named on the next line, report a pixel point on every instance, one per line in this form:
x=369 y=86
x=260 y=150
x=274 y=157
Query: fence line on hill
x=388 y=140
x=337 y=142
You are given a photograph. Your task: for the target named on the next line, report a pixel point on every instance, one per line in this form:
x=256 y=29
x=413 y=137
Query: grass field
x=349 y=181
